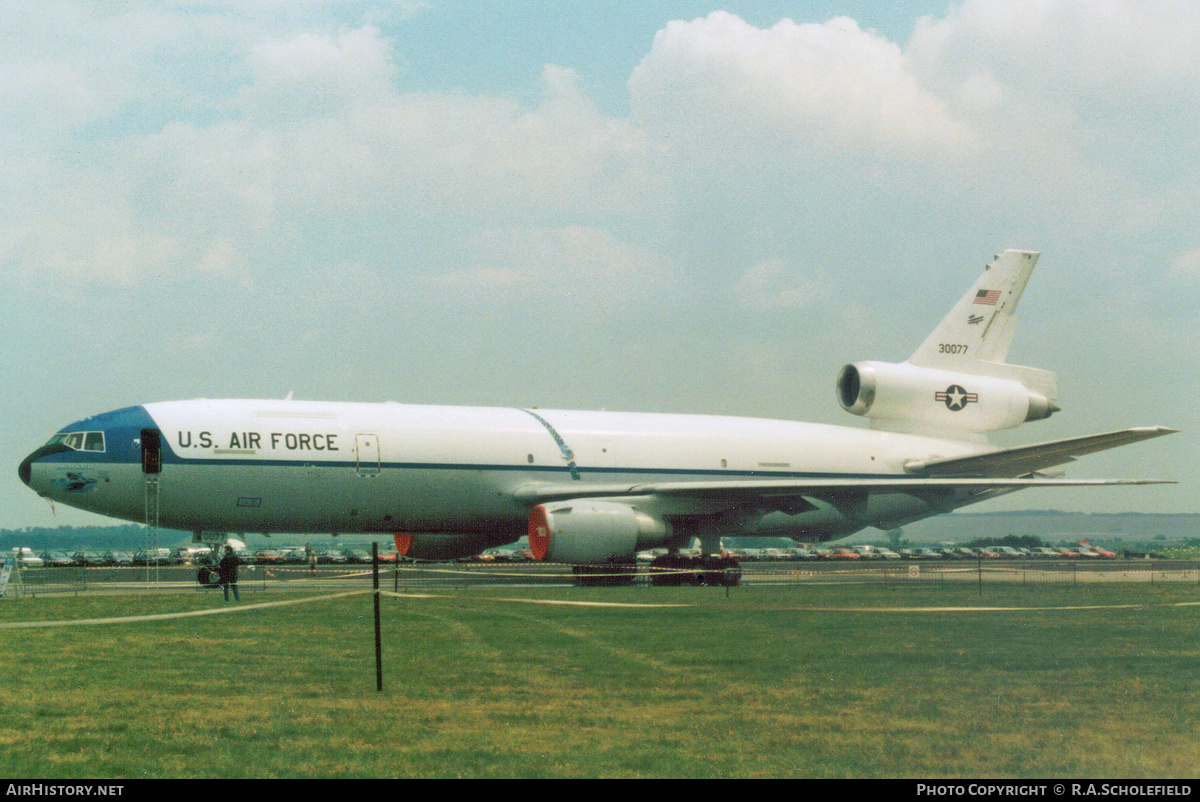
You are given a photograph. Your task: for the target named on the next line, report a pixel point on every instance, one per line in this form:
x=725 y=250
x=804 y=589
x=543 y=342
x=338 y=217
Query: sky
x=662 y=207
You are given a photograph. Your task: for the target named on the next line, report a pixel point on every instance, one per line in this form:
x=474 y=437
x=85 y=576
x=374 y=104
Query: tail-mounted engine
x=588 y=532
x=892 y=394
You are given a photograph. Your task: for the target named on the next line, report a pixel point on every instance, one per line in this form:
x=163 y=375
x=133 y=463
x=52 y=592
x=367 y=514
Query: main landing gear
x=669 y=570
x=714 y=570
x=609 y=575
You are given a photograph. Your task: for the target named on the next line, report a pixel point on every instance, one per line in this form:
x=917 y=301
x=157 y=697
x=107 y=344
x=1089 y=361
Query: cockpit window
x=79 y=441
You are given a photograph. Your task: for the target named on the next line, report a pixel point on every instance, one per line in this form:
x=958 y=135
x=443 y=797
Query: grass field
x=756 y=684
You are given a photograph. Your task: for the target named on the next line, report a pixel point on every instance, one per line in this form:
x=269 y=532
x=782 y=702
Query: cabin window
x=80 y=441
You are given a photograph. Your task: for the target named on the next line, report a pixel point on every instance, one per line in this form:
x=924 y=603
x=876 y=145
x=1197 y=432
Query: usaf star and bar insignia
x=955 y=397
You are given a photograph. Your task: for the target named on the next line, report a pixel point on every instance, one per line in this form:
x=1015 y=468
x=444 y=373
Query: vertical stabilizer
x=975 y=337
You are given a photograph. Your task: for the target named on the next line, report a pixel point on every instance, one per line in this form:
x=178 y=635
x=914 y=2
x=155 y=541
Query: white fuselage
x=321 y=467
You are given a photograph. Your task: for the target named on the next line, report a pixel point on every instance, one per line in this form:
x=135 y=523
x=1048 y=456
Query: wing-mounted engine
x=906 y=397
x=589 y=531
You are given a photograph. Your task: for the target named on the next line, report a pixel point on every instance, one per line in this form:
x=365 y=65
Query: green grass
x=755 y=684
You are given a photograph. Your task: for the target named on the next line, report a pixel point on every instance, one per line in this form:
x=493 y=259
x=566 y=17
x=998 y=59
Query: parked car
x=27 y=559
x=270 y=557
x=119 y=558
x=331 y=556
x=155 y=556
x=88 y=557
x=193 y=555
x=359 y=556
x=294 y=555
x=58 y=559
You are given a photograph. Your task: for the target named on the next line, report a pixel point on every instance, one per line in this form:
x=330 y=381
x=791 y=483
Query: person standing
x=227 y=570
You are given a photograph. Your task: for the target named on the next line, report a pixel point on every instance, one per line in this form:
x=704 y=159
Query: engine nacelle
x=885 y=391
x=443 y=547
x=589 y=532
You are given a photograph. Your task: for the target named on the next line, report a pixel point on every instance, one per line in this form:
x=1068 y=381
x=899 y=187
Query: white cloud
x=315 y=75
x=772 y=284
x=321 y=147
x=1093 y=101
x=831 y=86
x=583 y=266
x=1186 y=266
x=1076 y=51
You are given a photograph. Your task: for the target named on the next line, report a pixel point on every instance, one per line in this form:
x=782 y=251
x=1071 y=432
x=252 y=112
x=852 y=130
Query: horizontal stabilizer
x=1027 y=459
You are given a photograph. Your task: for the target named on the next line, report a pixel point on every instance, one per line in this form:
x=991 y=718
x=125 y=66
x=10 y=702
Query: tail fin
x=975 y=337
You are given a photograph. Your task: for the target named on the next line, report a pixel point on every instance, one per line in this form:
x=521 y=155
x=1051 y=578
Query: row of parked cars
x=945 y=553
x=300 y=555
x=192 y=555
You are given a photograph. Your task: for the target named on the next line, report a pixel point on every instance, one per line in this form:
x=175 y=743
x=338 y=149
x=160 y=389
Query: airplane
x=591 y=488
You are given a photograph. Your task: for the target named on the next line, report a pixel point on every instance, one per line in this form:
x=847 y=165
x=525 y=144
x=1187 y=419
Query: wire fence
x=409 y=577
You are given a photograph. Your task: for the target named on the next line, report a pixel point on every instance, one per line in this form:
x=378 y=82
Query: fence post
x=378 y=635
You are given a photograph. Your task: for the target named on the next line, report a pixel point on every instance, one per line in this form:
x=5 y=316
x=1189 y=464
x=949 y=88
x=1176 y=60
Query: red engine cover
x=539 y=533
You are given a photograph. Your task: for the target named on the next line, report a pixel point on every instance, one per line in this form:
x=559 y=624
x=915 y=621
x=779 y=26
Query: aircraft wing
x=791 y=492
x=1027 y=459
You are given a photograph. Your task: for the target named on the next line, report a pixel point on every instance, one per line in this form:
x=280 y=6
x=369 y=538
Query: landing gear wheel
x=722 y=572
x=208 y=577
x=672 y=570
x=664 y=571
x=604 y=576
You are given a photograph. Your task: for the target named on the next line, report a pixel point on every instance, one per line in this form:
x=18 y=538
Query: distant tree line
x=1012 y=541
x=128 y=537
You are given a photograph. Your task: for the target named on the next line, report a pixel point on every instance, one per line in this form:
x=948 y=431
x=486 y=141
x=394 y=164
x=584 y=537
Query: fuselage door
x=151 y=451
x=366 y=450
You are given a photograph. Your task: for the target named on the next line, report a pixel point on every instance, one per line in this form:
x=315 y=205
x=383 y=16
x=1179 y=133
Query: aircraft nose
x=25 y=470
